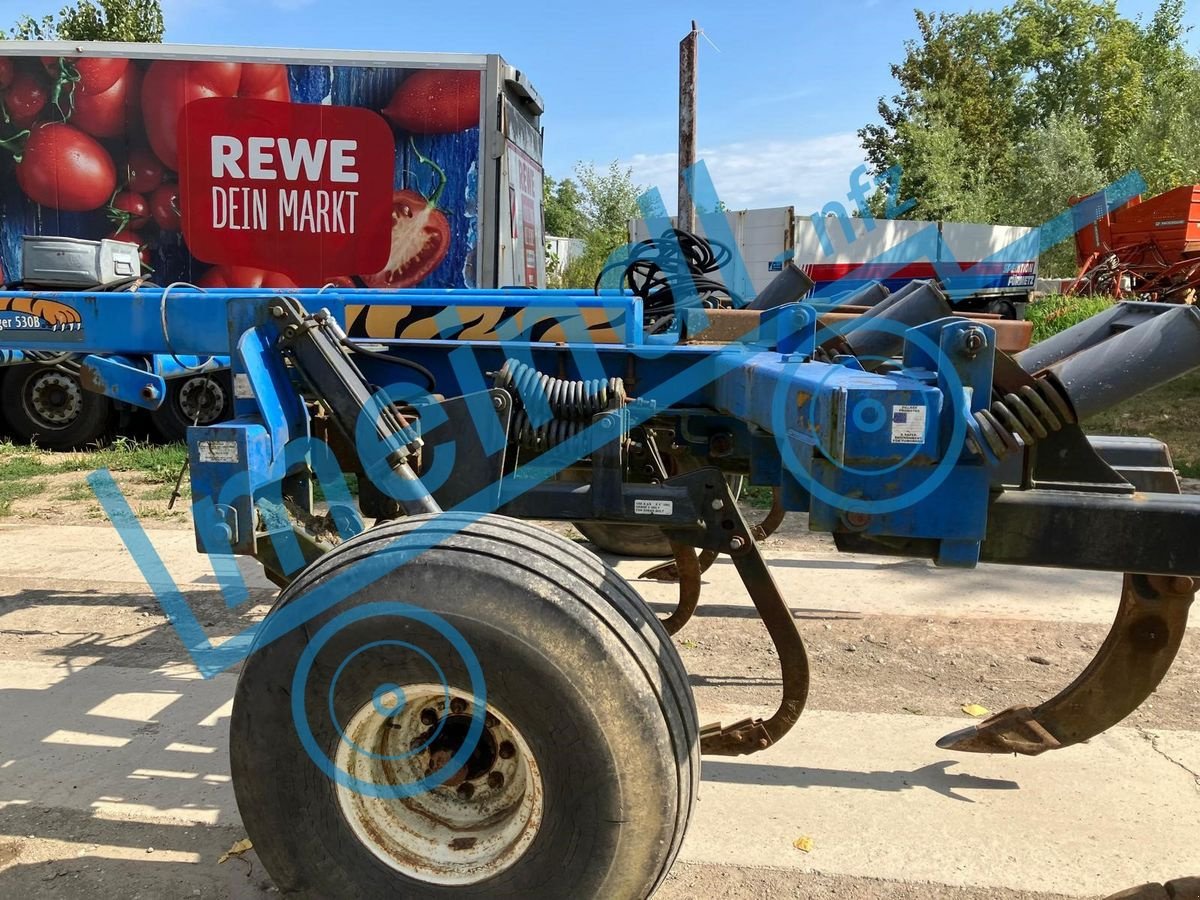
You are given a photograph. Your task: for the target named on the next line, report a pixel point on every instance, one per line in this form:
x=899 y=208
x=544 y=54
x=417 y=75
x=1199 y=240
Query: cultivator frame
x=910 y=434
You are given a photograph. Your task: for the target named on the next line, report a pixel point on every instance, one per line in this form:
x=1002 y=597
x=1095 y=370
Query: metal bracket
x=670 y=571
x=114 y=378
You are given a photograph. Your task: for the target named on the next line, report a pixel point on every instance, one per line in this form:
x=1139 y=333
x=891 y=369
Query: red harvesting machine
x=1145 y=248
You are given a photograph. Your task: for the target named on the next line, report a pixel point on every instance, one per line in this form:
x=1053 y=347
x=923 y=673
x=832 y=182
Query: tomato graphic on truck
x=240 y=167
x=365 y=169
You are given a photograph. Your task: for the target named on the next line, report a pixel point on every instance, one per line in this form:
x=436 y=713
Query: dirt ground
x=687 y=882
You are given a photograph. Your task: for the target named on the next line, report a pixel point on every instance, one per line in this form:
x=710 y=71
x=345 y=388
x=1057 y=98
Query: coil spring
x=1030 y=414
x=572 y=403
x=547 y=436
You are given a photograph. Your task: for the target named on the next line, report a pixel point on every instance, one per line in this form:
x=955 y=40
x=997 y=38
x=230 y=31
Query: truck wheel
x=199 y=399
x=498 y=715
x=638 y=541
x=51 y=409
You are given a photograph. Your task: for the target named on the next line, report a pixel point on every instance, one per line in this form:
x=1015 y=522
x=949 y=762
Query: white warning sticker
x=908 y=424
x=218 y=451
x=653 y=507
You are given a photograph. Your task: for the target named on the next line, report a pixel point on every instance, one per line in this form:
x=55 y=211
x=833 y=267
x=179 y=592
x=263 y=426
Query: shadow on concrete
x=933 y=777
x=111 y=744
x=729 y=611
x=117 y=627
x=734 y=681
x=911 y=565
x=100 y=857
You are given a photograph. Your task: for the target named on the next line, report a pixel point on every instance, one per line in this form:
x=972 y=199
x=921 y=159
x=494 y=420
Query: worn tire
x=172 y=422
x=91 y=421
x=572 y=657
x=637 y=541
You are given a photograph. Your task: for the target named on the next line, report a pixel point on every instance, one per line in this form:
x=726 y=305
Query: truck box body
x=973 y=261
x=978 y=264
x=248 y=167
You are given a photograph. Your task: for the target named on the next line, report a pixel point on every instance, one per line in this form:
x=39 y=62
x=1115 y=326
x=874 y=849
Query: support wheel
x=200 y=399
x=498 y=715
x=50 y=408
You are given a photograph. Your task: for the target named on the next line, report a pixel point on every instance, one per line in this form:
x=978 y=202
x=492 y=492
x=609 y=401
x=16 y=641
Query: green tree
x=955 y=183
x=1053 y=163
x=608 y=201
x=104 y=20
x=957 y=80
x=1000 y=116
x=562 y=205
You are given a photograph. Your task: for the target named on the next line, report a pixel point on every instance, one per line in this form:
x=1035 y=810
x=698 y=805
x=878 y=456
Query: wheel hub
x=478 y=822
x=201 y=400
x=55 y=398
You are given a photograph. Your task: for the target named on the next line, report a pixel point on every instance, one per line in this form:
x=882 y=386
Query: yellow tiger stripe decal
x=485 y=323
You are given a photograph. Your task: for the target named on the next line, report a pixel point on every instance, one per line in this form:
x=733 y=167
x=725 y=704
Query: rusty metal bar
x=725 y=531
x=727 y=325
x=687 y=124
x=688 y=567
x=669 y=571
x=773 y=519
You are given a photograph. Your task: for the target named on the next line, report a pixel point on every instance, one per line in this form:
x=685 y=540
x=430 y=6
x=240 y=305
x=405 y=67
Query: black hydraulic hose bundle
x=673 y=271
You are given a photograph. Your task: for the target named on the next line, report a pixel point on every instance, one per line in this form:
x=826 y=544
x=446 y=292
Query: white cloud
x=805 y=173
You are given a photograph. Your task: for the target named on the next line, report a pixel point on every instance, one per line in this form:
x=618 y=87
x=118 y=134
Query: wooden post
x=687 y=124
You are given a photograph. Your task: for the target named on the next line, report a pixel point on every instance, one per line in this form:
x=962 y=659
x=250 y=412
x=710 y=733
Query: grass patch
x=15 y=467
x=1170 y=413
x=758 y=496
x=11 y=490
x=1055 y=312
x=77 y=492
x=24 y=469
x=351 y=486
x=163 y=492
x=159 y=463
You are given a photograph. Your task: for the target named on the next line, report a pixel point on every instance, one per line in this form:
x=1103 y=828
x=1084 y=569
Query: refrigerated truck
x=984 y=268
x=254 y=167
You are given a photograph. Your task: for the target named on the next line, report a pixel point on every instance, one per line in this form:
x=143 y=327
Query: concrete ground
x=114 y=776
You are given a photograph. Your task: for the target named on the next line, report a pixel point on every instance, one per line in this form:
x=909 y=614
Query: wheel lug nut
x=466 y=790
x=495 y=779
x=458 y=706
x=429 y=716
x=507 y=750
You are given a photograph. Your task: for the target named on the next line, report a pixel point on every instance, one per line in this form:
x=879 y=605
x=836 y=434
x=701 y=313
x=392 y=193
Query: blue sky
x=782 y=92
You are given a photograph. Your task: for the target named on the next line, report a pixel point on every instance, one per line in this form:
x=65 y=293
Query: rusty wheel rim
x=477 y=823
x=201 y=400
x=54 y=398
